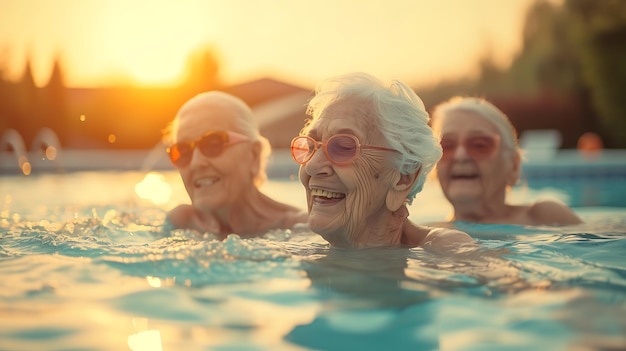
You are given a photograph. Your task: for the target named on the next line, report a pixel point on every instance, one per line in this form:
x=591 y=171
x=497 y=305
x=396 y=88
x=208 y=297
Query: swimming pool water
x=87 y=265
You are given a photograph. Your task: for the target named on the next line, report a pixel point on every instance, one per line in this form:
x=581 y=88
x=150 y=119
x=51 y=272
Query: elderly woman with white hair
x=216 y=146
x=481 y=161
x=364 y=155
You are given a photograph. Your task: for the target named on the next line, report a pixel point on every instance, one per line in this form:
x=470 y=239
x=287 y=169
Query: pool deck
x=562 y=163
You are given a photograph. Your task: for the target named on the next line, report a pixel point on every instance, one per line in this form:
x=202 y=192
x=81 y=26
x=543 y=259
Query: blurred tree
x=599 y=30
x=548 y=61
x=55 y=95
x=547 y=83
x=28 y=105
x=6 y=97
x=202 y=72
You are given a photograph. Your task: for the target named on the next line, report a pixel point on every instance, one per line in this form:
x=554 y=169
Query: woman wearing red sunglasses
x=364 y=155
x=216 y=146
x=481 y=162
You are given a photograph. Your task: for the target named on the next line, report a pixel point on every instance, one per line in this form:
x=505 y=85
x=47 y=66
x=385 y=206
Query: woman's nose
x=197 y=157
x=460 y=152
x=319 y=164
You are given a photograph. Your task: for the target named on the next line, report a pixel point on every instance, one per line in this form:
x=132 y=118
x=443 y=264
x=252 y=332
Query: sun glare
x=145 y=43
x=148 y=340
x=149 y=43
x=151 y=49
x=154 y=188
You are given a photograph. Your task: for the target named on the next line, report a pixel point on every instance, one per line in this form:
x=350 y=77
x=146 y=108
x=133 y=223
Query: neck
x=253 y=214
x=483 y=212
x=386 y=231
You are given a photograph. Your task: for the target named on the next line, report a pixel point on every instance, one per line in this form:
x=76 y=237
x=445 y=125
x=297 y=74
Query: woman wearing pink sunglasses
x=481 y=161
x=216 y=146
x=363 y=156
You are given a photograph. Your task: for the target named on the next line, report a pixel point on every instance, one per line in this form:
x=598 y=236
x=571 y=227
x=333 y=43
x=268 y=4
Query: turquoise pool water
x=87 y=265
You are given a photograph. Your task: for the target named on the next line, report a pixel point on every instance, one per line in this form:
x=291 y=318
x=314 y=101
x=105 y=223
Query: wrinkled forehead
x=466 y=121
x=201 y=115
x=347 y=113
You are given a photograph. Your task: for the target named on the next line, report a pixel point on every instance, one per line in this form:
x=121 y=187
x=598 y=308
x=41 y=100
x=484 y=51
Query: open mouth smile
x=325 y=197
x=206 y=181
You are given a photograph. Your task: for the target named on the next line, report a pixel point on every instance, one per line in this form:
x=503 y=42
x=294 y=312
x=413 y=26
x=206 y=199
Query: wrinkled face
x=344 y=200
x=474 y=167
x=214 y=182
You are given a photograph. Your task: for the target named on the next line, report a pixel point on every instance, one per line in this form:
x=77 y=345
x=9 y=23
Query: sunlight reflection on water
x=87 y=264
x=154 y=188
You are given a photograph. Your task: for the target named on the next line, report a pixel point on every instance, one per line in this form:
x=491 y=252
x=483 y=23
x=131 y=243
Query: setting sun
x=148 y=43
x=148 y=47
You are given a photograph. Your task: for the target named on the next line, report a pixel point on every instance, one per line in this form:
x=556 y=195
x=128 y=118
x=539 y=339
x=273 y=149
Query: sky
x=148 y=42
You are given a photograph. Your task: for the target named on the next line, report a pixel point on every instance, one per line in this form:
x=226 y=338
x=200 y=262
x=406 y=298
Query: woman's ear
x=255 y=164
x=515 y=171
x=402 y=185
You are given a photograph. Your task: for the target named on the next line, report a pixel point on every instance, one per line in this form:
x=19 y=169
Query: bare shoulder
x=181 y=216
x=434 y=237
x=440 y=224
x=444 y=238
x=188 y=217
x=296 y=216
x=549 y=212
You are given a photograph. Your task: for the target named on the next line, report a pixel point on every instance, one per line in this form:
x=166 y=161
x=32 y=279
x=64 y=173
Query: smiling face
x=215 y=182
x=344 y=201
x=475 y=169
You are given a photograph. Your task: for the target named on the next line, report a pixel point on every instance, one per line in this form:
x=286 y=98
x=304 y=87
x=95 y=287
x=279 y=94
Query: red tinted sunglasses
x=340 y=149
x=211 y=144
x=478 y=146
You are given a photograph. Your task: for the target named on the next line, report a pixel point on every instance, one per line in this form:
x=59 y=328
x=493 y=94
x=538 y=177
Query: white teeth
x=327 y=194
x=205 y=182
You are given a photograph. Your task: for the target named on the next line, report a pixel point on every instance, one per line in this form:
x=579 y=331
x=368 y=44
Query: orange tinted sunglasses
x=477 y=146
x=211 y=144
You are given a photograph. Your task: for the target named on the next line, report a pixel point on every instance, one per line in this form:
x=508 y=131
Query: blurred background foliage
x=570 y=75
x=572 y=67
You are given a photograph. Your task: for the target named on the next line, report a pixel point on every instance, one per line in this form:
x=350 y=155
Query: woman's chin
x=463 y=196
x=322 y=223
